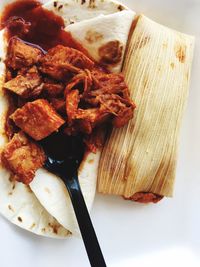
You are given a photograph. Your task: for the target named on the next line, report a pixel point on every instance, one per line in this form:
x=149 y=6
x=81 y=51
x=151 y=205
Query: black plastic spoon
x=64 y=155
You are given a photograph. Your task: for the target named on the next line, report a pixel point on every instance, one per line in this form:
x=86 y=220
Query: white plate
x=165 y=234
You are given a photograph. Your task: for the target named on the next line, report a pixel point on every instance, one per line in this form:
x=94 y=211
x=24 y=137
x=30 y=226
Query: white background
x=165 y=234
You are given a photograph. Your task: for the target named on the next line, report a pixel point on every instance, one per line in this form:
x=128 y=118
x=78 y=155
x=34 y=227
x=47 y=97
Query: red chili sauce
x=38 y=25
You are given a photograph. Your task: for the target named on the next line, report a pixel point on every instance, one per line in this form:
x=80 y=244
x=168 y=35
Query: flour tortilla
x=52 y=193
x=17 y=202
x=105 y=37
x=73 y=11
x=46 y=187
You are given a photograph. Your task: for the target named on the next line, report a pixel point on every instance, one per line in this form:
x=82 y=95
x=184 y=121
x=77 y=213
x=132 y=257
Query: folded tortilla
x=142 y=156
x=73 y=11
x=104 y=37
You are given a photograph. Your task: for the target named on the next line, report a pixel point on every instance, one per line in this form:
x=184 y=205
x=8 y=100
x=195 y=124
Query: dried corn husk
x=142 y=156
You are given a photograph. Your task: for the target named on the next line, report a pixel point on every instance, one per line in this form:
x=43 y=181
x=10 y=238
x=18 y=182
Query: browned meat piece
x=23 y=157
x=21 y=55
x=52 y=88
x=145 y=197
x=27 y=85
x=38 y=119
x=85 y=120
x=61 y=62
x=90 y=118
x=59 y=105
x=72 y=101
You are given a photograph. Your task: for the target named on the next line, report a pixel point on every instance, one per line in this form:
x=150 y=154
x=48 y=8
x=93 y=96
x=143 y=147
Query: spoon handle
x=85 y=224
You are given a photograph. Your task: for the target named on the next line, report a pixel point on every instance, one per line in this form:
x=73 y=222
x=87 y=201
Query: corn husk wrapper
x=142 y=156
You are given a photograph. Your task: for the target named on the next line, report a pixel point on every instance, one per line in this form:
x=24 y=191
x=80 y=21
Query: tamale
x=142 y=156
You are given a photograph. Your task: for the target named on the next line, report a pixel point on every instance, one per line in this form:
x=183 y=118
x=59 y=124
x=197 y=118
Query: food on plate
x=51 y=82
x=67 y=78
x=157 y=69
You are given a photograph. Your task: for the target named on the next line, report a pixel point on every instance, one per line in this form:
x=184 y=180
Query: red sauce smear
x=45 y=28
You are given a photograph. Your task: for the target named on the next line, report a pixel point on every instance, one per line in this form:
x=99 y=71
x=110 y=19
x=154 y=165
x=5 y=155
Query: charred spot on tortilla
x=19 y=219
x=54 y=227
x=55 y=3
x=60 y=7
x=83 y=2
x=71 y=21
x=10 y=208
x=120 y=7
x=92 y=36
x=111 y=52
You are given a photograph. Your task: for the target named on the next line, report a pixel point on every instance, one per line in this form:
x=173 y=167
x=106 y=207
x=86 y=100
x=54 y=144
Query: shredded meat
x=105 y=96
x=83 y=120
x=109 y=83
x=72 y=101
x=82 y=80
x=21 y=55
x=27 y=85
x=38 y=119
x=145 y=197
x=23 y=157
x=60 y=62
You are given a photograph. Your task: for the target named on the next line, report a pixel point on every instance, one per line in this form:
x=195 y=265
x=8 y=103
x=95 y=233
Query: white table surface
x=166 y=234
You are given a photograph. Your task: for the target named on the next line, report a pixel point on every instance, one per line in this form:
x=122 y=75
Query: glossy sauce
x=45 y=28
